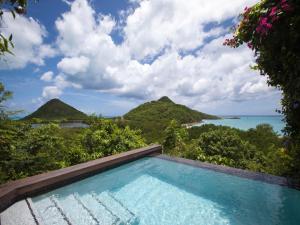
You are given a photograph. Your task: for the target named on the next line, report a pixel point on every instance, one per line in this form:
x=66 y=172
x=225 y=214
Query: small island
x=233 y=118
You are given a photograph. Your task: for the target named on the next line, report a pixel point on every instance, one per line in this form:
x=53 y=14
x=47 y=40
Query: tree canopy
x=4 y=96
x=14 y=7
x=272 y=30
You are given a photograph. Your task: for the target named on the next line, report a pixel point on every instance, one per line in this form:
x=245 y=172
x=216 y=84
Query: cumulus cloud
x=50 y=92
x=28 y=39
x=170 y=47
x=47 y=76
x=74 y=65
x=177 y=24
x=59 y=83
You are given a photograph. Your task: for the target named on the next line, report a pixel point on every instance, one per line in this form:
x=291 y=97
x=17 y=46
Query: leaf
x=5 y=43
x=13 y=13
x=10 y=37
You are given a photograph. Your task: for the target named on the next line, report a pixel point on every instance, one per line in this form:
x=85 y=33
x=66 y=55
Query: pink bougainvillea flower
x=273 y=11
x=261 y=30
x=268 y=25
x=263 y=26
x=274 y=18
x=286 y=7
x=264 y=21
x=258 y=29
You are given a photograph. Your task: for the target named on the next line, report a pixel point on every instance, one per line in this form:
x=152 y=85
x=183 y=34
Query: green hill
x=153 y=117
x=55 y=109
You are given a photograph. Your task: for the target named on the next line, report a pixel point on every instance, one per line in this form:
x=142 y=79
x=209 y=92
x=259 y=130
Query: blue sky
x=106 y=57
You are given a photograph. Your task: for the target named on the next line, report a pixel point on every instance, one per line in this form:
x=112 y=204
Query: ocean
x=247 y=122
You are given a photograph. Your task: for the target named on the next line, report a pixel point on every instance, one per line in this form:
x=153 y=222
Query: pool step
x=47 y=213
x=99 y=210
x=87 y=209
x=75 y=211
x=116 y=208
x=17 y=214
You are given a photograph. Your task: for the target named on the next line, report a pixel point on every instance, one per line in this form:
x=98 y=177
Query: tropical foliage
x=258 y=149
x=26 y=151
x=272 y=30
x=4 y=96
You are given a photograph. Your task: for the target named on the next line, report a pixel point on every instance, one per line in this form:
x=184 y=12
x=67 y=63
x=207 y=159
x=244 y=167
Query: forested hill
x=55 y=109
x=165 y=109
x=153 y=117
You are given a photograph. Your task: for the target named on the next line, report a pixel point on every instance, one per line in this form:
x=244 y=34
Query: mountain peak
x=55 y=109
x=54 y=100
x=165 y=99
x=156 y=111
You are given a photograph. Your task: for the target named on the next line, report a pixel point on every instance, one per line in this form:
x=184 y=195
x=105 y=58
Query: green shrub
x=228 y=145
x=107 y=138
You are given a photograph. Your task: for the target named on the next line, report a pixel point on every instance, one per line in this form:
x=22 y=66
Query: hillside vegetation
x=55 y=109
x=258 y=149
x=153 y=117
x=27 y=151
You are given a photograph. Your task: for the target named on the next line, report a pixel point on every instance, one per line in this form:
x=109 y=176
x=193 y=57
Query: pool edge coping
x=263 y=177
x=14 y=191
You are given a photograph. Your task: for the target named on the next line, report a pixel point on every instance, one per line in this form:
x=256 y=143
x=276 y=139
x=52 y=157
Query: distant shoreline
x=223 y=116
x=246 y=122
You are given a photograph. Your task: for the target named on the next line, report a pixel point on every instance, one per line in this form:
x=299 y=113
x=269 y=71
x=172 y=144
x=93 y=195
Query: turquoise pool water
x=247 y=122
x=153 y=191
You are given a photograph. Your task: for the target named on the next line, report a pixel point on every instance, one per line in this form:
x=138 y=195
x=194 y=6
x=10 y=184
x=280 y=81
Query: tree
x=226 y=147
x=263 y=137
x=272 y=30
x=175 y=136
x=15 y=7
x=43 y=149
x=105 y=138
x=4 y=96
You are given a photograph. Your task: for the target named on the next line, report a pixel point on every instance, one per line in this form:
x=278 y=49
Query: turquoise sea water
x=153 y=191
x=247 y=122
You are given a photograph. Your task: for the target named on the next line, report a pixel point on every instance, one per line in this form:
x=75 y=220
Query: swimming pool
x=154 y=191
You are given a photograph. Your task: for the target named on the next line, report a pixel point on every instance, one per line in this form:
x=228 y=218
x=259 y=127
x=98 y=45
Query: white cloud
x=177 y=24
x=59 y=83
x=28 y=38
x=173 y=34
x=50 y=92
x=74 y=65
x=47 y=76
